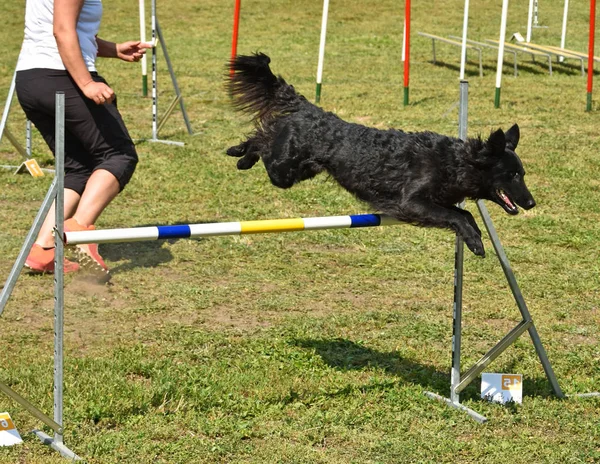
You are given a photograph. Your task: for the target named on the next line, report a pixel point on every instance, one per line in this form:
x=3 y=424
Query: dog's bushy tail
x=257 y=91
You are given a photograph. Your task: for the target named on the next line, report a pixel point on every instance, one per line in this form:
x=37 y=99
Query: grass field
x=314 y=347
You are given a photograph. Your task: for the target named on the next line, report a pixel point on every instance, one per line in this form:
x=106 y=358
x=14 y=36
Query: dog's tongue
x=506 y=200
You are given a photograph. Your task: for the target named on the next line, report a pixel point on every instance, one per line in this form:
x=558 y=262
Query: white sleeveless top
x=39 y=48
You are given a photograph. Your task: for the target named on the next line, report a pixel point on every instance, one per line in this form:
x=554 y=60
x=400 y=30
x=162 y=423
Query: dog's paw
x=475 y=244
x=236 y=151
x=247 y=161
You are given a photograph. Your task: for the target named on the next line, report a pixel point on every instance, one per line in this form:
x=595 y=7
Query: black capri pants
x=95 y=135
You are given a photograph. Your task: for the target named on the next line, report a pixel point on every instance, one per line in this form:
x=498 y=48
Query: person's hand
x=99 y=92
x=132 y=50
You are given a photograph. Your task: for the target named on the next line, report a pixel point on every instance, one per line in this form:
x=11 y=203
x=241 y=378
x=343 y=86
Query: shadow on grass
x=136 y=254
x=144 y=254
x=347 y=355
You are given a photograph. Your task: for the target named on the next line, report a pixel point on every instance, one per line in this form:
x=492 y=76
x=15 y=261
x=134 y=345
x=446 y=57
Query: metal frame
x=470 y=46
x=457 y=382
x=55 y=192
x=156 y=123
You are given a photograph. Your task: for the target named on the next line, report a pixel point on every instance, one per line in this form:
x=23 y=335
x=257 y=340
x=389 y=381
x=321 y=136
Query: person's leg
x=41 y=255
x=101 y=188
x=45 y=237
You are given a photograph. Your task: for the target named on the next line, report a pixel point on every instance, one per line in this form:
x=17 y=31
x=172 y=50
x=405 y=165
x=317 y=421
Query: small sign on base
x=502 y=388
x=8 y=432
x=518 y=37
x=30 y=166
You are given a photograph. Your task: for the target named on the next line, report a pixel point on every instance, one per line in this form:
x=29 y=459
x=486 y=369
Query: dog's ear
x=512 y=137
x=497 y=142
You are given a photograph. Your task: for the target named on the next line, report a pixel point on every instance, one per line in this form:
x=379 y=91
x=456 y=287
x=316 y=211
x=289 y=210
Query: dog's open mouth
x=505 y=201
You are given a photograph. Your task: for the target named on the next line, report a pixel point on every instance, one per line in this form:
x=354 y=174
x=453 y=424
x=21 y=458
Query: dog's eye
x=516 y=175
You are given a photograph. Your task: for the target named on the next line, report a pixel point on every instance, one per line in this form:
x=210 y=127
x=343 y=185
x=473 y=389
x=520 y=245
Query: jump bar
x=140 y=234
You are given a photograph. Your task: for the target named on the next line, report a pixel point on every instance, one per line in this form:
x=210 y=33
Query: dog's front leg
x=429 y=214
x=247 y=151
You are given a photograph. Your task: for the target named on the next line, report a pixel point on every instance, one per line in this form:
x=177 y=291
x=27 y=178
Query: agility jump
x=139 y=234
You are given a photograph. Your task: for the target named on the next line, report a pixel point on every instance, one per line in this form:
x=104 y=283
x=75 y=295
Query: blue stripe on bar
x=180 y=231
x=365 y=220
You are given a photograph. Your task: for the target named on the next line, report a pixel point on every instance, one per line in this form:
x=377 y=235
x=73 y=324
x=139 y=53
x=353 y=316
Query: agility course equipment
x=55 y=193
x=144 y=60
x=157 y=37
x=406 y=51
x=458 y=383
x=29 y=164
x=322 y=50
x=592 y=36
x=139 y=234
x=236 y=29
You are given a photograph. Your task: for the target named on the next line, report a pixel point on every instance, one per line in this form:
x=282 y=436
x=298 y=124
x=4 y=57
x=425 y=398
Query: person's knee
x=122 y=166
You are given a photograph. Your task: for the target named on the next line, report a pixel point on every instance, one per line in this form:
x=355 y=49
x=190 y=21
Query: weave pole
x=406 y=48
x=501 y=53
x=590 y=79
x=236 y=29
x=144 y=60
x=322 y=50
x=140 y=234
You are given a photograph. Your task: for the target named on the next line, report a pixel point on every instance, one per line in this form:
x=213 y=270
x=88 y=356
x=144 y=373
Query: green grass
x=314 y=347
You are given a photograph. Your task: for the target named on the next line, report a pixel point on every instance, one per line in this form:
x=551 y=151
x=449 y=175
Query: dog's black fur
x=414 y=177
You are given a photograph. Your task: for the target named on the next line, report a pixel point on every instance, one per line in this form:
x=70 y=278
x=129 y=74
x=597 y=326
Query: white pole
x=143 y=39
x=154 y=77
x=563 y=37
x=463 y=53
x=501 y=52
x=529 y=18
x=404 y=42
x=322 y=49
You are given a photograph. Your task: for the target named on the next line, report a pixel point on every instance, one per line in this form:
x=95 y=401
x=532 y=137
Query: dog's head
x=504 y=174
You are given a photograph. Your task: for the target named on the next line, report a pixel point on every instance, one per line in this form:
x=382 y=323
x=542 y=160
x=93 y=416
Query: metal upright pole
x=28 y=138
x=59 y=263
x=458 y=260
x=56 y=442
x=179 y=98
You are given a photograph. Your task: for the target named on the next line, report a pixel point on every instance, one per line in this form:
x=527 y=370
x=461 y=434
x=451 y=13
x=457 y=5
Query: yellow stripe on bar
x=272 y=225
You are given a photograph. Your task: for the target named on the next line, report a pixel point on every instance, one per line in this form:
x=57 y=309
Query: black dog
x=414 y=177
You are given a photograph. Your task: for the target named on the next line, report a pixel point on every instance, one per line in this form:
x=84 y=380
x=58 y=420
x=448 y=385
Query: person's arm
x=126 y=51
x=66 y=13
